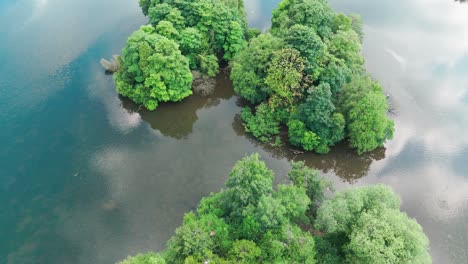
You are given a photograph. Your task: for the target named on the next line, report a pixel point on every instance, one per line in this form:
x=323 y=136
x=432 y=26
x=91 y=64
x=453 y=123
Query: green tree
x=235 y=40
x=365 y=224
x=249 y=67
x=285 y=75
x=264 y=124
x=248 y=182
x=294 y=200
x=300 y=136
x=166 y=29
x=152 y=70
x=346 y=45
x=145 y=5
x=198 y=237
x=339 y=214
x=249 y=222
x=388 y=236
x=244 y=252
x=318 y=114
x=148 y=258
x=166 y=12
x=309 y=44
x=191 y=45
x=309 y=179
x=369 y=127
x=365 y=108
x=208 y=64
x=316 y=14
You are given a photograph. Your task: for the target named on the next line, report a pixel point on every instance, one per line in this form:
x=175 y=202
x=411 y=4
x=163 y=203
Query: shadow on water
x=176 y=120
x=341 y=160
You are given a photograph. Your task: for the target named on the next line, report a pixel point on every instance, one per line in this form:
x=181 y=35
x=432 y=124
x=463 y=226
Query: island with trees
x=249 y=221
x=305 y=77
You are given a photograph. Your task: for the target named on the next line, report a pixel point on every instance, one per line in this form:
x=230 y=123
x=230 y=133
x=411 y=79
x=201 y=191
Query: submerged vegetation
x=251 y=222
x=305 y=75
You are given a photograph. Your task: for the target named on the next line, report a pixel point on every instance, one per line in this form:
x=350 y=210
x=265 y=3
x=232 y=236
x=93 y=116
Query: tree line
x=251 y=222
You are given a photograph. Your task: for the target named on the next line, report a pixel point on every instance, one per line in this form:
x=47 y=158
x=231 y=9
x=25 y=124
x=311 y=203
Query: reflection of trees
x=341 y=160
x=177 y=119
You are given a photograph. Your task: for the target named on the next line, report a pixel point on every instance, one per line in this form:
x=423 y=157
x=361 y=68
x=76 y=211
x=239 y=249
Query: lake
x=87 y=177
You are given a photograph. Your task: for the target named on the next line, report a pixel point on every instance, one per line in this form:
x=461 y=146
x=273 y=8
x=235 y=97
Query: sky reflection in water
x=89 y=178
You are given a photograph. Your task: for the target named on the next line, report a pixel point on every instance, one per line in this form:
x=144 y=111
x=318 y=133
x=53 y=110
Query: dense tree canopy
x=251 y=222
x=197 y=35
x=302 y=74
x=153 y=70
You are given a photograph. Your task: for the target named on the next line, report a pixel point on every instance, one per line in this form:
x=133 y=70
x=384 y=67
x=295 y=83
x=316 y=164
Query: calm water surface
x=86 y=177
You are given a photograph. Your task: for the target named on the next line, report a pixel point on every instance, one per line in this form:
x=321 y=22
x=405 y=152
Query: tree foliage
x=250 y=222
x=366 y=226
x=153 y=70
x=300 y=70
x=198 y=33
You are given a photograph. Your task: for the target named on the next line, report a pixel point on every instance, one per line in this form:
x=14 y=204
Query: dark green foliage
x=318 y=114
x=153 y=70
x=299 y=72
x=249 y=222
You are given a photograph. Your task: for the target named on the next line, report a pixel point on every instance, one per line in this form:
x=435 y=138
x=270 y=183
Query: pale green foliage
x=288 y=245
x=339 y=214
x=387 y=236
x=249 y=68
x=365 y=224
x=285 y=74
x=148 y=258
x=356 y=25
x=152 y=70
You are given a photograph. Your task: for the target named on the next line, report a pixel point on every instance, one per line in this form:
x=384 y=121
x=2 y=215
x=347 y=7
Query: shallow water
x=87 y=177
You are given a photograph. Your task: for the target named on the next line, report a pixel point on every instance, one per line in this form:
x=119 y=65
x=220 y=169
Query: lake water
x=85 y=177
